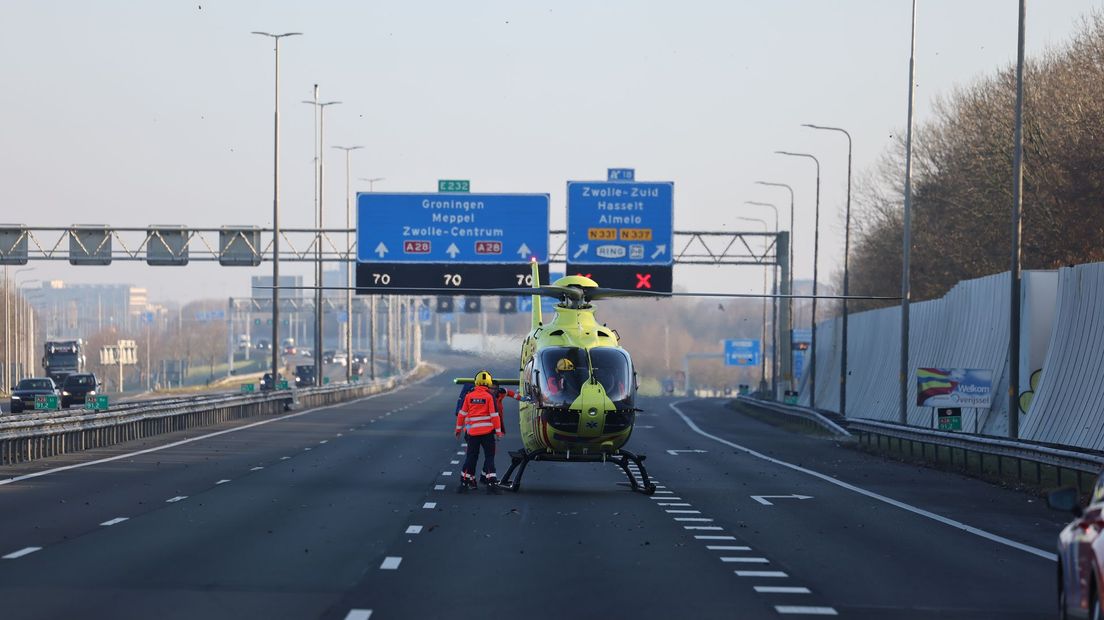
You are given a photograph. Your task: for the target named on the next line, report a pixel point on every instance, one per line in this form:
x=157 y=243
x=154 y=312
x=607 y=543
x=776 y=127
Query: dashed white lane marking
x=257 y=468
x=727 y=548
x=173 y=500
x=390 y=563
x=183 y=442
x=782 y=590
x=744 y=560
x=806 y=611
x=682 y=512
x=324 y=441
x=446 y=473
x=710 y=537
x=665 y=499
x=761 y=573
x=306 y=449
x=664 y=493
x=115 y=521
x=358 y=614
x=454 y=462
x=1046 y=555
x=460 y=453
x=693 y=519
x=438 y=487
x=673 y=504
x=284 y=458
x=340 y=435
x=429 y=505
x=223 y=481
x=15 y=555
x=414 y=529
x=706 y=528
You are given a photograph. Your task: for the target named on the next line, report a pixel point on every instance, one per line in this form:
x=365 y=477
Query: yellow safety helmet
x=564 y=365
x=484 y=378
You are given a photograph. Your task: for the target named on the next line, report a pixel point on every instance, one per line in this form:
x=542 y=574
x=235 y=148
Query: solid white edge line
x=804 y=610
x=183 y=442
x=358 y=614
x=15 y=555
x=1046 y=555
x=391 y=563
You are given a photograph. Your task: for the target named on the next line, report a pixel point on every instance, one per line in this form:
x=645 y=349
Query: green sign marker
x=248 y=387
x=96 y=402
x=282 y=385
x=46 y=401
x=454 y=185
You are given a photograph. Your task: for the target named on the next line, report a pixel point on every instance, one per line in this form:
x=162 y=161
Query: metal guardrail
x=957 y=448
x=1083 y=461
x=28 y=438
x=803 y=413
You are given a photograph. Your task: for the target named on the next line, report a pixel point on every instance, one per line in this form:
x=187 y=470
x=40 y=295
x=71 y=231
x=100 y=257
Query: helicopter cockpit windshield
x=564 y=370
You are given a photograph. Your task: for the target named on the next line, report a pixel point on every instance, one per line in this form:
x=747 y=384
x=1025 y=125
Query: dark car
x=1080 y=553
x=75 y=387
x=267 y=383
x=23 y=396
x=304 y=376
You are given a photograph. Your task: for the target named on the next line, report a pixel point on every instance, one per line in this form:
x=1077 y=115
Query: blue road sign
x=620 y=223
x=451 y=228
x=741 y=352
x=147 y=317
x=620 y=174
x=525 y=303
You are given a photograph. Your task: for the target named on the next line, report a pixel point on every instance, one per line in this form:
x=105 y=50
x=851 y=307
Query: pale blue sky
x=132 y=113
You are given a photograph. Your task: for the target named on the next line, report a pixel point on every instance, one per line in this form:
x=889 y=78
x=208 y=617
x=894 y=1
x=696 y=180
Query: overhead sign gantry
x=410 y=242
x=620 y=232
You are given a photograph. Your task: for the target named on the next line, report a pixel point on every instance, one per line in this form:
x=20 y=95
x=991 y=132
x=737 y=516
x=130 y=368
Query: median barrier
x=38 y=436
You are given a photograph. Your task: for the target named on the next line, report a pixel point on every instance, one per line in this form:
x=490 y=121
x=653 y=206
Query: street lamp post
x=349 y=264
x=763 y=360
x=906 y=238
x=816 y=255
x=371 y=308
x=371 y=182
x=846 y=274
x=276 y=208
x=320 y=107
x=789 y=302
x=774 y=301
x=26 y=327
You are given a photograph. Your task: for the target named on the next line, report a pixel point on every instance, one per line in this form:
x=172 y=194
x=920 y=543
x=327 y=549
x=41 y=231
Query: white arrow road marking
x=762 y=499
x=524 y=251
x=381 y=249
x=660 y=249
x=583 y=249
x=676 y=452
x=452 y=250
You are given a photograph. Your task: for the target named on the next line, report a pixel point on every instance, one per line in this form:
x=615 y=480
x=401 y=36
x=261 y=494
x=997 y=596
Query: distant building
x=80 y=310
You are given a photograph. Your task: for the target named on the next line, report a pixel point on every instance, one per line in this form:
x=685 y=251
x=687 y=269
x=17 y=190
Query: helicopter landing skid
x=520 y=459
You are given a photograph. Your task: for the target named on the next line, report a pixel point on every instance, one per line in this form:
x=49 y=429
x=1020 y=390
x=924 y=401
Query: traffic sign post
x=742 y=352
x=469 y=243
x=621 y=231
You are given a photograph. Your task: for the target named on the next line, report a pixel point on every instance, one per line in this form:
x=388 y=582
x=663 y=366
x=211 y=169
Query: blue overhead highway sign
x=451 y=228
x=741 y=352
x=619 y=223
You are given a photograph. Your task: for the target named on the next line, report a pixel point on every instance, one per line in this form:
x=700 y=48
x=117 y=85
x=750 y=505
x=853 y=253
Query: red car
x=1081 y=554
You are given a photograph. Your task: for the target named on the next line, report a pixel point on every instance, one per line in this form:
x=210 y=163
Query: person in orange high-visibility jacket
x=481 y=424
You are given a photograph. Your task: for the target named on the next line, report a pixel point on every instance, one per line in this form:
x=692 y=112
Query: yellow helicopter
x=577 y=386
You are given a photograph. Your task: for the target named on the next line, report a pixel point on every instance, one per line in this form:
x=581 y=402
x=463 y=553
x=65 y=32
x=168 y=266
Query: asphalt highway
x=351 y=512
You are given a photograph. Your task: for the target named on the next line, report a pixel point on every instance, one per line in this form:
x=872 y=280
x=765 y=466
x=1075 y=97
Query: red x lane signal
x=644 y=280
